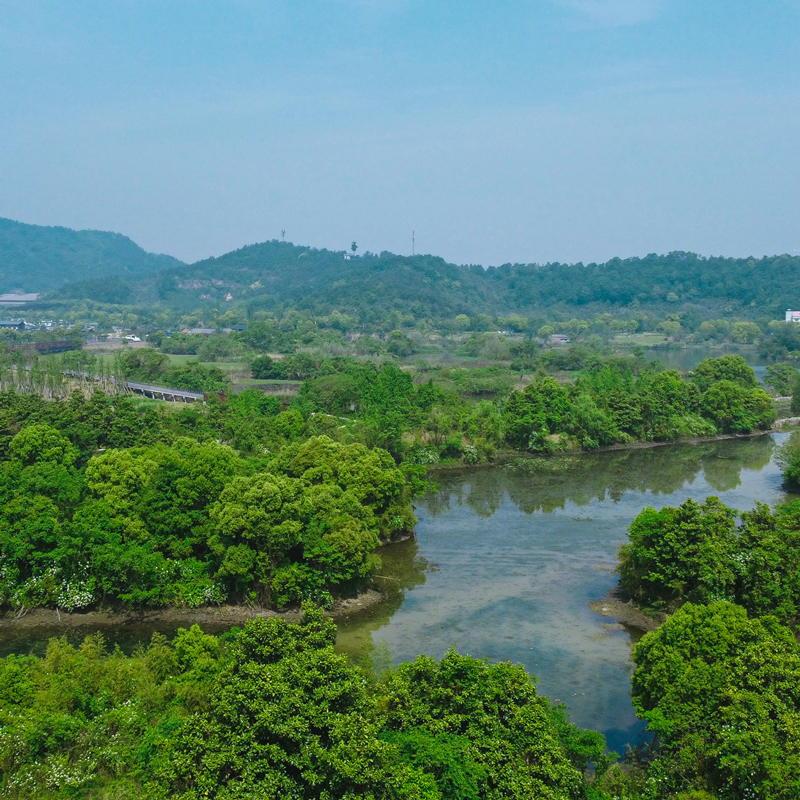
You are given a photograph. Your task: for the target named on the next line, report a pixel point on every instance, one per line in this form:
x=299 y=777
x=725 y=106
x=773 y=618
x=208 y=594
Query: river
x=507 y=557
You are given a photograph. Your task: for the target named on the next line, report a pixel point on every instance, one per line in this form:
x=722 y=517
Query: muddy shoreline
x=616 y=605
x=214 y=616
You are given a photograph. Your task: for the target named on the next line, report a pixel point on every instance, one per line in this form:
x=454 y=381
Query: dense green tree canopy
x=682 y=553
x=698 y=553
x=272 y=711
x=619 y=402
x=725 y=368
x=488 y=718
x=191 y=523
x=722 y=694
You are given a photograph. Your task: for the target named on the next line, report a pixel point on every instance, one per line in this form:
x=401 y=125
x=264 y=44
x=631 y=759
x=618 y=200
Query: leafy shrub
x=737 y=410
x=781 y=378
x=266 y=368
x=788 y=457
x=725 y=368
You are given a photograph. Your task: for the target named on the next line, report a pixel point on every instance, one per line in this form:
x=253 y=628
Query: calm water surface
x=514 y=553
x=507 y=558
x=683 y=358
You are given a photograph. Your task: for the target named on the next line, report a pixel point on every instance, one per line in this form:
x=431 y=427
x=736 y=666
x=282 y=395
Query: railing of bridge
x=183 y=395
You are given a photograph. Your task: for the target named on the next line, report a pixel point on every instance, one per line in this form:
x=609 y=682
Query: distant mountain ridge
x=429 y=287
x=280 y=272
x=38 y=258
x=110 y=268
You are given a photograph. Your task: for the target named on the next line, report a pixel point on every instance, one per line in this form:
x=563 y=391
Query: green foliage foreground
x=271 y=711
x=722 y=694
x=720 y=690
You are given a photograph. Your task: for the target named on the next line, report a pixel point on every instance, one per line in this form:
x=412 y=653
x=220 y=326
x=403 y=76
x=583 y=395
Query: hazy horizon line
x=401 y=255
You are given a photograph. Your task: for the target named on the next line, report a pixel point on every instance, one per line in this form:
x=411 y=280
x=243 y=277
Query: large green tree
x=678 y=554
x=721 y=692
x=479 y=727
x=698 y=553
x=288 y=717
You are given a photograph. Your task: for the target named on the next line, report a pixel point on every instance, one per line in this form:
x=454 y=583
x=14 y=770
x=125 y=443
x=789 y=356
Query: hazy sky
x=507 y=131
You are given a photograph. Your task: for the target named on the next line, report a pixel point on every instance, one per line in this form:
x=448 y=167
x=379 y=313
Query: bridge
x=163 y=393
x=144 y=389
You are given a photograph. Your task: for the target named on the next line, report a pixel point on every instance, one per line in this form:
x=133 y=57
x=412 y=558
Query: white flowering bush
x=56 y=772
x=75 y=595
x=423 y=455
x=471 y=455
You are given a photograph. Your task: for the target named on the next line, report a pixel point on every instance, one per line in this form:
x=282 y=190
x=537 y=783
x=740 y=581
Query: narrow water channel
x=507 y=558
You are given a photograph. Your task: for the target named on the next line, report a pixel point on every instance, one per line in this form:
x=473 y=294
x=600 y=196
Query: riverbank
x=207 y=616
x=506 y=456
x=615 y=605
x=503 y=566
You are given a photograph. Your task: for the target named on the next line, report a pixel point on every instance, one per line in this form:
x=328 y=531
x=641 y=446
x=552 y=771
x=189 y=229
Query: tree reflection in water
x=402 y=569
x=547 y=484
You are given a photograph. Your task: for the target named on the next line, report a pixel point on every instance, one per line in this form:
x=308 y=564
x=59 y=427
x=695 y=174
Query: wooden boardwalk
x=163 y=393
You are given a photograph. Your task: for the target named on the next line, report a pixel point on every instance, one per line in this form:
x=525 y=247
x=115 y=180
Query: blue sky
x=518 y=131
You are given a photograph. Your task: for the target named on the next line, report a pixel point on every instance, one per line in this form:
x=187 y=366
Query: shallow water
x=507 y=558
x=516 y=552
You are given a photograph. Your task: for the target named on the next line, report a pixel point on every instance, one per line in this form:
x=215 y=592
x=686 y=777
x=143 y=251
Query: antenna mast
x=413 y=241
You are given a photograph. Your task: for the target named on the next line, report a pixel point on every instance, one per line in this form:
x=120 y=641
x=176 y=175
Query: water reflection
x=403 y=569
x=517 y=551
x=688 y=357
x=583 y=479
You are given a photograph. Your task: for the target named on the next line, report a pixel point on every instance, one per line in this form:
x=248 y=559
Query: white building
x=792 y=316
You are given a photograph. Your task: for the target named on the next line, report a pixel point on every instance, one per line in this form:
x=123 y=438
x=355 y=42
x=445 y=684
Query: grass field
x=265 y=381
x=640 y=339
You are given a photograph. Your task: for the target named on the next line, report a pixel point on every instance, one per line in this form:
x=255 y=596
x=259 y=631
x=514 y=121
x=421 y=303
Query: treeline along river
x=508 y=557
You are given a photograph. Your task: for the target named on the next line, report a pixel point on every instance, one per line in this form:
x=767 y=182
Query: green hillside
x=38 y=258
x=110 y=268
x=427 y=286
x=281 y=273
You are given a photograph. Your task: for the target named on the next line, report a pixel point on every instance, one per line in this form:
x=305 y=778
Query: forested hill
x=428 y=286
x=278 y=272
x=110 y=268
x=37 y=258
